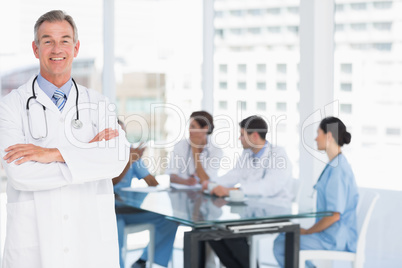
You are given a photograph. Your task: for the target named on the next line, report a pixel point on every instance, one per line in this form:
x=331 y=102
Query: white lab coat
x=61 y=214
x=269 y=176
x=181 y=161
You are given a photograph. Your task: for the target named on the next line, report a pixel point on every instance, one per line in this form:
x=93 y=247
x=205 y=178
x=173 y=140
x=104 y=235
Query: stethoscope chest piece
x=76 y=123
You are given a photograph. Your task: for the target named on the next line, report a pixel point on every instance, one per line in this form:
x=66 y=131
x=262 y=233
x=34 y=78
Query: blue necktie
x=60 y=99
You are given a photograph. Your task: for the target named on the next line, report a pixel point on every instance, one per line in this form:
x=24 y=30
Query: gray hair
x=52 y=16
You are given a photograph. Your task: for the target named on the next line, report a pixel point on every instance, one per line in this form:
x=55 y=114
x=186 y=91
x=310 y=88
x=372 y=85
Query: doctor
x=60 y=210
x=262 y=170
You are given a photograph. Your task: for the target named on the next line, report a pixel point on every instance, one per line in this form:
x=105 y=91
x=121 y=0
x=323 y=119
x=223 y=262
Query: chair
x=254 y=240
x=136 y=228
x=364 y=210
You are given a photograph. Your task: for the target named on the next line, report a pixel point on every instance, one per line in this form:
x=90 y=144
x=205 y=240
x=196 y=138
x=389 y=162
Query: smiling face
x=196 y=131
x=56 y=51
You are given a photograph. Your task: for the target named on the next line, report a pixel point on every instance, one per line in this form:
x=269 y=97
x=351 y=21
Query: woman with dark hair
x=336 y=191
x=196 y=159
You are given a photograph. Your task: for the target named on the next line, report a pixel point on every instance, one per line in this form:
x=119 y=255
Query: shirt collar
x=49 y=88
x=260 y=152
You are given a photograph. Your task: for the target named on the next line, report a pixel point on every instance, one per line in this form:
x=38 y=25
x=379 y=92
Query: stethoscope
x=76 y=123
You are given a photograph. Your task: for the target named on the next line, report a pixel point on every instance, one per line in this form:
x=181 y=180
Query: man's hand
x=30 y=152
x=106 y=134
x=205 y=185
x=220 y=191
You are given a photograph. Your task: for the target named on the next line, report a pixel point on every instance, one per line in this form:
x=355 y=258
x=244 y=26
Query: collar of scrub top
x=205 y=150
x=328 y=164
x=49 y=89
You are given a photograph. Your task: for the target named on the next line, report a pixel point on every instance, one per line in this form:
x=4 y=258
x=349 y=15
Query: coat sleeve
x=233 y=176
x=97 y=160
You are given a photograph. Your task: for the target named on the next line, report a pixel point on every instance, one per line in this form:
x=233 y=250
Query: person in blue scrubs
x=165 y=230
x=336 y=191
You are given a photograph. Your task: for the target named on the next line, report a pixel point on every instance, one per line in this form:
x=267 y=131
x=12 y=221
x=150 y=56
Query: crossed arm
x=30 y=152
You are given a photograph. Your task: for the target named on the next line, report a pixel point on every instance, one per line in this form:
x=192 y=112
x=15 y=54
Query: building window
x=223 y=105
x=274 y=11
x=255 y=12
x=393 y=131
x=274 y=29
x=339 y=27
x=218 y=14
x=339 y=8
x=242 y=68
x=261 y=86
x=242 y=105
x=346 y=68
x=382 y=26
x=236 y=31
x=383 y=5
x=358 y=6
x=281 y=106
x=346 y=87
x=293 y=29
x=139 y=105
x=382 y=46
x=281 y=86
x=223 y=68
x=346 y=108
x=281 y=68
x=261 y=106
x=358 y=26
x=261 y=68
x=236 y=13
x=241 y=85
x=254 y=30
x=219 y=33
x=293 y=10
x=223 y=85
x=369 y=130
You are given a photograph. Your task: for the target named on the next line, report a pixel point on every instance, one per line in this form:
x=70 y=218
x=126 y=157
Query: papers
x=185 y=187
x=148 y=189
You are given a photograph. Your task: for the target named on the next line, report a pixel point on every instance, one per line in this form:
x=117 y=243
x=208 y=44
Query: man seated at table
x=263 y=169
x=165 y=230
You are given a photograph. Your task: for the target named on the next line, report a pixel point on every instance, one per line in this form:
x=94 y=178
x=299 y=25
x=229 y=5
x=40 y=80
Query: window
x=346 y=87
x=281 y=68
x=346 y=68
x=255 y=12
x=223 y=85
x=339 y=27
x=281 y=86
x=241 y=85
x=369 y=130
x=219 y=33
x=236 y=13
x=383 y=5
x=346 y=108
x=382 y=26
x=223 y=68
x=242 y=105
x=293 y=10
x=242 y=68
x=382 y=46
x=358 y=26
x=339 y=8
x=141 y=105
x=274 y=11
x=358 y=6
x=261 y=86
x=261 y=68
x=261 y=106
x=223 y=105
x=236 y=31
x=254 y=30
x=393 y=131
x=218 y=14
x=274 y=29
x=293 y=29
x=281 y=106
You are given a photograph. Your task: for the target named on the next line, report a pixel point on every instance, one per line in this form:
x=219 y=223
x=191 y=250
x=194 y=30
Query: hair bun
x=347 y=137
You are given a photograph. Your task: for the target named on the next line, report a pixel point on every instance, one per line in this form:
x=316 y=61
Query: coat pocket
x=22 y=230
x=107 y=216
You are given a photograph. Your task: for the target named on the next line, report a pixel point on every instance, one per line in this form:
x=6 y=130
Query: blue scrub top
x=337 y=191
x=137 y=170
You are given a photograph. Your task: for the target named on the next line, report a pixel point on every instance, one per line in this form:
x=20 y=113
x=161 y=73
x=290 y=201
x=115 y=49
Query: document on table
x=148 y=189
x=185 y=187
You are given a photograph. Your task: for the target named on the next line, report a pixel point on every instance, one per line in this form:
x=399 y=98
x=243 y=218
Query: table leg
x=292 y=247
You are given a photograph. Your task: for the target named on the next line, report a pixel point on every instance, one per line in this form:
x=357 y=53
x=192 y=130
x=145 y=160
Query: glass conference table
x=213 y=218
